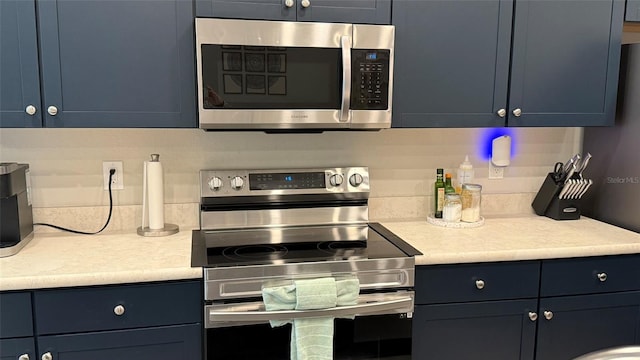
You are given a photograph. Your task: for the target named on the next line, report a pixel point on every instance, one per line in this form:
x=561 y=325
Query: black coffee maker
x=16 y=216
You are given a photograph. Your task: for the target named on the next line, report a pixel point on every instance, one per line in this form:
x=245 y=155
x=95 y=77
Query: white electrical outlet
x=117 y=181
x=495 y=172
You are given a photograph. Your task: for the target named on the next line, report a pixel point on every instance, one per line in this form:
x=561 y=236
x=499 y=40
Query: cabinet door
x=13 y=349
x=15 y=315
x=19 y=76
x=247 y=9
x=576 y=325
x=633 y=10
x=452 y=62
x=346 y=11
x=172 y=342
x=566 y=57
x=496 y=330
x=117 y=63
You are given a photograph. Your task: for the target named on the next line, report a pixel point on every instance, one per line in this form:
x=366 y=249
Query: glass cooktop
x=271 y=246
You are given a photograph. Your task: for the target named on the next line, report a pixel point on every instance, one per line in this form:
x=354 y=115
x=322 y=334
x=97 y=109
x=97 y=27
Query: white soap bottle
x=465 y=174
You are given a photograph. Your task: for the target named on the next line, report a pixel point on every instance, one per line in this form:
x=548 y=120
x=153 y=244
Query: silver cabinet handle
x=533 y=316
x=602 y=276
x=289 y=3
x=305 y=3
x=517 y=112
x=118 y=310
x=31 y=110
x=24 y=357
x=480 y=284
x=345 y=43
x=502 y=112
x=47 y=356
x=52 y=110
x=548 y=315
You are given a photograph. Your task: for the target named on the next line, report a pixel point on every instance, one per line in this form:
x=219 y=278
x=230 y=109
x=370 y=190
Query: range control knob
x=237 y=183
x=336 y=180
x=355 y=180
x=215 y=183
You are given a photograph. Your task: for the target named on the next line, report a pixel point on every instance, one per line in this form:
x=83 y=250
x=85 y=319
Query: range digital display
x=284 y=181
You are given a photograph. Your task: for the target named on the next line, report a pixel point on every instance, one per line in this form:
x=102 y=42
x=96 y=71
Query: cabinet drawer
x=15 y=313
x=60 y=311
x=590 y=275
x=477 y=282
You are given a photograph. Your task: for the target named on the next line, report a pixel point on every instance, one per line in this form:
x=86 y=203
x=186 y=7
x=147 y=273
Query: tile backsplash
x=66 y=164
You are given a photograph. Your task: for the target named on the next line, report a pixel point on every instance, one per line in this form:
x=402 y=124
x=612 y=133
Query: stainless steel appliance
x=272 y=75
x=16 y=217
x=266 y=227
x=615 y=195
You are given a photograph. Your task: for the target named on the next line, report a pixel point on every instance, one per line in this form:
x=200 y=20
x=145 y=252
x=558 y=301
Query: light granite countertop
x=52 y=260
x=515 y=238
x=59 y=260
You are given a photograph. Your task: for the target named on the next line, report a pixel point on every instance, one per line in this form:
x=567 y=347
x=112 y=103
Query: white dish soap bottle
x=465 y=174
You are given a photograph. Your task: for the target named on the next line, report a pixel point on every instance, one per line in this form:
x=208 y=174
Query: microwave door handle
x=345 y=43
x=395 y=305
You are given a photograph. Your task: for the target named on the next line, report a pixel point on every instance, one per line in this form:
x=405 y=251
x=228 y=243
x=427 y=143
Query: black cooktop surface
x=223 y=248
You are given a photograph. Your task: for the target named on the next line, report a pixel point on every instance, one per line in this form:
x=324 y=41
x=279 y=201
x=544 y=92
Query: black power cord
x=111 y=173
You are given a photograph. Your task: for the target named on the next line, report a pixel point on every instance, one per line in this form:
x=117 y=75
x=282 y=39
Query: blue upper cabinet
x=101 y=63
x=633 y=10
x=117 y=63
x=346 y=11
x=19 y=76
x=566 y=57
x=451 y=62
x=506 y=62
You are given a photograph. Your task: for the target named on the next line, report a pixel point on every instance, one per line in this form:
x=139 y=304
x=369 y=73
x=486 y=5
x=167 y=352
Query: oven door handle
x=345 y=43
x=252 y=313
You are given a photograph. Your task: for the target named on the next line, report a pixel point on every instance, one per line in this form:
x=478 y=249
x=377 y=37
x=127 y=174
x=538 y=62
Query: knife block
x=548 y=204
x=563 y=209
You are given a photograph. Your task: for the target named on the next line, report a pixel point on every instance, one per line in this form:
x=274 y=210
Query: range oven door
x=378 y=327
x=291 y=75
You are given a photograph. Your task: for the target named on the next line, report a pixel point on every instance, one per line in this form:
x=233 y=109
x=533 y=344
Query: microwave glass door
x=269 y=77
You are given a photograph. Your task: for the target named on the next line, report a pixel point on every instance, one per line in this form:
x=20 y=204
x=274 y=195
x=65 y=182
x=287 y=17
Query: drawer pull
x=548 y=315
x=118 y=310
x=47 y=356
x=24 y=357
x=602 y=276
x=480 y=284
x=533 y=316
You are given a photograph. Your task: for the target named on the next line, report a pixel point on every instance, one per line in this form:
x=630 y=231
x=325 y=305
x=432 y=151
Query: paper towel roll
x=155 y=194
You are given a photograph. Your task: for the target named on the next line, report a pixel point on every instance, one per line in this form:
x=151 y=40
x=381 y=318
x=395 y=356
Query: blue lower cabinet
x=14 y=349
x=496 y=330
x=181 y=342
x=570 y=326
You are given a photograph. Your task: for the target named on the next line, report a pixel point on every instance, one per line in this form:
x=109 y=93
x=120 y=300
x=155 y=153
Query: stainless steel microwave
x=276 y=75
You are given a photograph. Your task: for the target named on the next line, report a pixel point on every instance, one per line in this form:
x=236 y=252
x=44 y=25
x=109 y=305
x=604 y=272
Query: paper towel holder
x=167 y=229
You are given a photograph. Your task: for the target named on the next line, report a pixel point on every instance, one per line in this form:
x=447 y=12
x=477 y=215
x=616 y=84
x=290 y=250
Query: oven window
x=383 y=337
x=266 y=77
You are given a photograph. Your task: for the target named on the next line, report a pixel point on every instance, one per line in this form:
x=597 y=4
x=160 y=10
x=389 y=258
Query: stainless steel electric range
x=270 y=227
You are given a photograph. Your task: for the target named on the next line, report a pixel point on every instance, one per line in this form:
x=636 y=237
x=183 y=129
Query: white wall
x=66 y=164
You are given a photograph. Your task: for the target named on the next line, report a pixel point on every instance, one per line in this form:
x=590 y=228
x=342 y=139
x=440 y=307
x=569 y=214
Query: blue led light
x=288 y=178
x=486 y=138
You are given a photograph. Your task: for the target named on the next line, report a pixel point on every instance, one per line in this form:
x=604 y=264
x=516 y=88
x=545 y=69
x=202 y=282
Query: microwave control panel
x=369 y=79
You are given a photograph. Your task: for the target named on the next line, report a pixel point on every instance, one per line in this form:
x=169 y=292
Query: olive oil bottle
x=439 y=193
x=448 y=185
